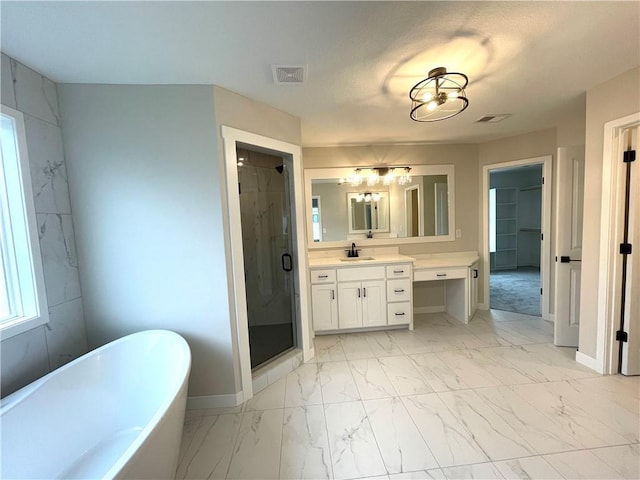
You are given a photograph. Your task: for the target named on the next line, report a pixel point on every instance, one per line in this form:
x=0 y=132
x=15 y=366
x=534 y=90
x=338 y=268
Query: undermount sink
x=356 y=259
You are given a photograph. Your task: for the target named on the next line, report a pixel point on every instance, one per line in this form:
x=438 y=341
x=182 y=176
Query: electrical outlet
x=458 y=233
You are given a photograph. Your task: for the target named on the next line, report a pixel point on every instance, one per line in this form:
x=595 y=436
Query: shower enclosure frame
x=232 y=138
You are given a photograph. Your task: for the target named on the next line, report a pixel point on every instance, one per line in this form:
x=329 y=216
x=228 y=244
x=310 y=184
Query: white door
x=374 y=303
x=631 y=348
x=349 y=305
x=569 y=203
x=324 y=307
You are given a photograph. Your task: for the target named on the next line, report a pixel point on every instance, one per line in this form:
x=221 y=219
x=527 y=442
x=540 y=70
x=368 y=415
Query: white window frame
x=21 y=250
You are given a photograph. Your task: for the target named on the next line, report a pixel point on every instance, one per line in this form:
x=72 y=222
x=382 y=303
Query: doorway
x=265 y=210
x=290 y=155
x=490 y=238
x=515 y=228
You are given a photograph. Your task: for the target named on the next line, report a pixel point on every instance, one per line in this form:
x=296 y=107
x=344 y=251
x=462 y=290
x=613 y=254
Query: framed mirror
x=368 y=212
x=421 y=210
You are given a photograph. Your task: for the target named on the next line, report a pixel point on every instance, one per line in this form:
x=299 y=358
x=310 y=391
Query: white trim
x=545 y=254
x=215 y=401
x=32 y=285
x=589 y=362
x=482 y=306
x=232 y=136
x=607 y=281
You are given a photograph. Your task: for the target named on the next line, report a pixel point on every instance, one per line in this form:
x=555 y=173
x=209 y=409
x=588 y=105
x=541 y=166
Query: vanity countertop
x=444 y=260
x=331 y=262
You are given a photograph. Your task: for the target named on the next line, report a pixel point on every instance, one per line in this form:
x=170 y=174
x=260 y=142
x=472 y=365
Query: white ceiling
x=534 y=60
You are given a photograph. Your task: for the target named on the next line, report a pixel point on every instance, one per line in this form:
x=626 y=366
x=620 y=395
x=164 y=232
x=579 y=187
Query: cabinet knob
x=399 y=290
x=441 y=274
x=401 y=314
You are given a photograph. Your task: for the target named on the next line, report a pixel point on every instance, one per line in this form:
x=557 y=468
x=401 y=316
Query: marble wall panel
x=36 y=95
x=48 y=170
x=57 y=246
x=24 y=359
x=7 y=93
x=66 y=334
x=34 y=353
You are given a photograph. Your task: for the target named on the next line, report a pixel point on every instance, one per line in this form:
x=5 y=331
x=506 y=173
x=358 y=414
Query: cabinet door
x=349 y=305
x=374 y=303
x=324 y=307
x=473 y=290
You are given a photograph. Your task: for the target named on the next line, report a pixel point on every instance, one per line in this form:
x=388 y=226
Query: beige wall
x=613 y=99
x=529 y=145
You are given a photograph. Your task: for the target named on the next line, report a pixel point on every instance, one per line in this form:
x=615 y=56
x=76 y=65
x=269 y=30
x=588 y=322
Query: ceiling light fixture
x=439 y=96
x=373 y=175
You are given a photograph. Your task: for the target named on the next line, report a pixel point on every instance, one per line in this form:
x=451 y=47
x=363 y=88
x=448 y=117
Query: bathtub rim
x=16 y=398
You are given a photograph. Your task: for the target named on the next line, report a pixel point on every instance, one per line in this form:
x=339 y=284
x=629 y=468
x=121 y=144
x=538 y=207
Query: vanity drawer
x=399 y=271
x=399 y=290
x=351 y=274
x=439 y=274
x=323 y=276
x=399 y=313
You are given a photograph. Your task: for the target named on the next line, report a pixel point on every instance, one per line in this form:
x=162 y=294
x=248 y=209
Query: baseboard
x=436 y=309
x=215 y=401
x=482 y=306
x=589 y=362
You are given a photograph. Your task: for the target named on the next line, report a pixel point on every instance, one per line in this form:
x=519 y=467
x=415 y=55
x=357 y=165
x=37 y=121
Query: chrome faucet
x=353 y=252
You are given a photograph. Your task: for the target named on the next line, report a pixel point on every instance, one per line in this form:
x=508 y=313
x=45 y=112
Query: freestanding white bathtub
x=116 y=412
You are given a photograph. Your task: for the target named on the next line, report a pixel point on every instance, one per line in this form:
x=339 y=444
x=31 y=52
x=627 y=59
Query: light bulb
x=427 y=96
x=452 y=95
x=432 y=105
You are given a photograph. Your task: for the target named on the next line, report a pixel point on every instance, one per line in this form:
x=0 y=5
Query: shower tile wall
x=34 y=353
x=261 y=204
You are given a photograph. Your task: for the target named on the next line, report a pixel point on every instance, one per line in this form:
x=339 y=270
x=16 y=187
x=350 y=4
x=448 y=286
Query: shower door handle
x=287 y=263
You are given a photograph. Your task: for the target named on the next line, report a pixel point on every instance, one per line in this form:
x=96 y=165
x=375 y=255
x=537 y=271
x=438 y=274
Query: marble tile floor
x=492 y=399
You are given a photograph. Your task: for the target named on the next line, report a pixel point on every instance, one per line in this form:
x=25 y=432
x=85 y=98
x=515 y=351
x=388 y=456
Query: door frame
x=545 y=248
x=241 y=358
x=609 y=281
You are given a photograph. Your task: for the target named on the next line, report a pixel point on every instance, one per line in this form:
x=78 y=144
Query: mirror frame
x=344 y=172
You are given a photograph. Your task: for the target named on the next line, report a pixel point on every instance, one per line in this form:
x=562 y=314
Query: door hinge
x=621 y=336
x=540 y=291
x=629 y=156
x=542 y=236
x=543 y=180
x=625 y=249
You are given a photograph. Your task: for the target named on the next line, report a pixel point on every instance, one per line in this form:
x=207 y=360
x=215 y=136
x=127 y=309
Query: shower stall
x=267 y=241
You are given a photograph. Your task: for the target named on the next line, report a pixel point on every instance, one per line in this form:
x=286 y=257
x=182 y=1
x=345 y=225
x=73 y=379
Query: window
x=23 y=303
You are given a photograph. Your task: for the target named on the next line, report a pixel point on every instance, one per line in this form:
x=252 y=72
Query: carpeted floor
x=516 y=290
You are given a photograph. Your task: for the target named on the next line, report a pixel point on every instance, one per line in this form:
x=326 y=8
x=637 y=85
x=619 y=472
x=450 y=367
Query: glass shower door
x=267 y=245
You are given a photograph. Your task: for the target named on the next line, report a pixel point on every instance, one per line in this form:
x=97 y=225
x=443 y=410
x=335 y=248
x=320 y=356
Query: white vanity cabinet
x=362 y=304
x=362 y=296
x=459 y=273
x=324 y=307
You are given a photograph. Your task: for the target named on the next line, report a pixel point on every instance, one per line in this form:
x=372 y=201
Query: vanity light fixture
x=439 y=96
x=388 y=175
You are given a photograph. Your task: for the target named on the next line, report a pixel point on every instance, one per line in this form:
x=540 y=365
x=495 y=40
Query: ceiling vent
x=287 y=74
x=493 y=118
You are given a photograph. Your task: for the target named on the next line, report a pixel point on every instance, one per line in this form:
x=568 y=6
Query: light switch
x=458 y=233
